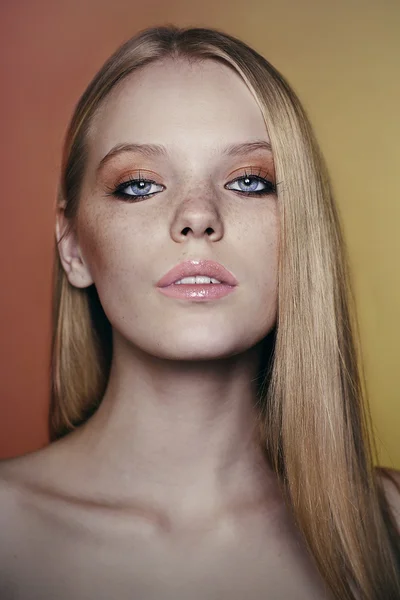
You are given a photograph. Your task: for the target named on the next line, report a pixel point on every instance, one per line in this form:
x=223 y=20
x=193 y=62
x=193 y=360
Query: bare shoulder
x=8 y=493
x=12 y=478
x=20 y=480
x=390 y=480
x=16 y=476
x=11 y=508
x=24 y=481
x=15 y=472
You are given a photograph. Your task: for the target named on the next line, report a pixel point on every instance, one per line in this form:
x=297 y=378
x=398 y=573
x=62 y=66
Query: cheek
x=111 y=244
x=261 y=239
x=262 y=255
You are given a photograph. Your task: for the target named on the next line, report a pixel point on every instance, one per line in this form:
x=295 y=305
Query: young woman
x=211 y=437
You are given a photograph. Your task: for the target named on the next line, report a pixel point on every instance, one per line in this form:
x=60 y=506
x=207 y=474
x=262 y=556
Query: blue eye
x=250 y=185
x=136 y=188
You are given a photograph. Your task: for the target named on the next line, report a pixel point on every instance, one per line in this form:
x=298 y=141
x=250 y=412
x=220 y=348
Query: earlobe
x=71 y=257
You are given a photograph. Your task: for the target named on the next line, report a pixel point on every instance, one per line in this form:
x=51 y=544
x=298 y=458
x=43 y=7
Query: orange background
x=342 y=58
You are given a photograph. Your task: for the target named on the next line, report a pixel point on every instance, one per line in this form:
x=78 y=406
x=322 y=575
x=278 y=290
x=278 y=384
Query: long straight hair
x=314 y=418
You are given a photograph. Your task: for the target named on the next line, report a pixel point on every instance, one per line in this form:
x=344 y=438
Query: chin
x=196 y=341
x=199 y=354
x=205 y=346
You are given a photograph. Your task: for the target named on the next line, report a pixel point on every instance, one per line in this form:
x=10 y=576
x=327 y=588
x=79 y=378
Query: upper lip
x=191 y=268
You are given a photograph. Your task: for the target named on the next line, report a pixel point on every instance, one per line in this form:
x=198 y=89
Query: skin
x=164 y=492
x=182 y=370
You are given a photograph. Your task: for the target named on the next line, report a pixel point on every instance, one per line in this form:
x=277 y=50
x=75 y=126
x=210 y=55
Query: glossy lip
x=191 y=268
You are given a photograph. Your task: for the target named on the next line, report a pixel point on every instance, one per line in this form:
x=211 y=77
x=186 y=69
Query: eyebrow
x=157 y=150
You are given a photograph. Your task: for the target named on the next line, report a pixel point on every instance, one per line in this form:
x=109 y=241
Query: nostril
x=208 y=231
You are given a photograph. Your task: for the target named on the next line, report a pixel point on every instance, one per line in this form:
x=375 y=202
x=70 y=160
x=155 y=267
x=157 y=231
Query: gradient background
x=342 y=58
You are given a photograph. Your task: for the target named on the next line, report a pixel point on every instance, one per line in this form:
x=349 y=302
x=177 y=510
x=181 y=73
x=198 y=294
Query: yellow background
x=343 y=59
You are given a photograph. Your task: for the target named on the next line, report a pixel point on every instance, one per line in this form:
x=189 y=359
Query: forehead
x=178 y=104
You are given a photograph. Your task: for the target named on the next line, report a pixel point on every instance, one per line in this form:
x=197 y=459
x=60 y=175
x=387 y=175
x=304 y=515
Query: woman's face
x=201 y=207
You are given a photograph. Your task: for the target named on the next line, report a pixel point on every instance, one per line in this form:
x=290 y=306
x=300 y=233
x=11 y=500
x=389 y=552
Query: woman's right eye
x=136 y=188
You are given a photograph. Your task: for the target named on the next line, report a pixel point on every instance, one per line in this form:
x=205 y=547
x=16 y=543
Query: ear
x=74 y=265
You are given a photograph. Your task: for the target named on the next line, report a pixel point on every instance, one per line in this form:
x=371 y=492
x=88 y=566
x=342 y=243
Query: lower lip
x=210 y=291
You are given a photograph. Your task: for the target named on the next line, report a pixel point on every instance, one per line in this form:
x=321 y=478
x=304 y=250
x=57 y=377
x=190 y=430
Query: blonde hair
x=314 y=418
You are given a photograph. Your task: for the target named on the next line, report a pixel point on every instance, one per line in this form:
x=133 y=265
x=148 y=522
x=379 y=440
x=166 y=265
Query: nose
x=197 y=217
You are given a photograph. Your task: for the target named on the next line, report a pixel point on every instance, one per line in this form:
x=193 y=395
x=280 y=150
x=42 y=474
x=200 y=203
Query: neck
x=182 y=432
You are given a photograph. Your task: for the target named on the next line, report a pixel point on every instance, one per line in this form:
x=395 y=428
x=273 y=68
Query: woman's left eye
x=252 y=184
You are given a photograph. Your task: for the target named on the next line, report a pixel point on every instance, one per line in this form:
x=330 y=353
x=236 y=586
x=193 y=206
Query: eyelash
x=270 y=187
